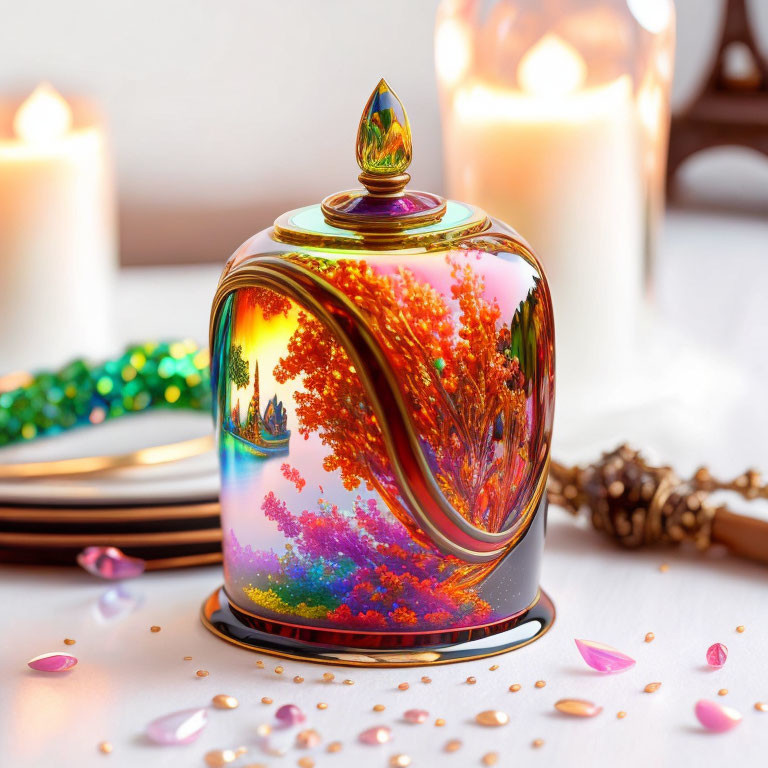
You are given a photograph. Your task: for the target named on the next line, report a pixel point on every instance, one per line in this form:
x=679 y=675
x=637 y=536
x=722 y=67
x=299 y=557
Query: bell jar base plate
x=327 y=646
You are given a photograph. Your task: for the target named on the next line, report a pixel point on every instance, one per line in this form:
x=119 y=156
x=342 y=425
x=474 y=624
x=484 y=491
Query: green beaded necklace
x=146 y=376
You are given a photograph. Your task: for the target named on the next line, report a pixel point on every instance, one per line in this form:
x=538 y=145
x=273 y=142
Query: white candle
x=57 y=237
x=561 y=164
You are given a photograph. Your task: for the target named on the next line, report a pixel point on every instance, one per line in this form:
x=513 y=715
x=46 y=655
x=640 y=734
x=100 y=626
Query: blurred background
x=195 y=124
x=223 y=115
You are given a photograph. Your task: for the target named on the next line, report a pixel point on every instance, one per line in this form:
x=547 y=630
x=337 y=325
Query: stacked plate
x=147 y=484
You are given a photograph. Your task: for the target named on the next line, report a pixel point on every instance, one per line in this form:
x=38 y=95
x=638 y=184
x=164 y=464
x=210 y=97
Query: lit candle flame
x=44 y=116
x=551 y=67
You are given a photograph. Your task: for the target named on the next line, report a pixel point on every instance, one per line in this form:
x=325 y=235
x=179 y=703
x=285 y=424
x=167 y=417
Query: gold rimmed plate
x=156 y=559
x=144 y=459
x=98 y=515
x=77 y=541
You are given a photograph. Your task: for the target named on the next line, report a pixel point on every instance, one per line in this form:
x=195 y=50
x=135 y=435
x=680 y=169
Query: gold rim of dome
x=406 y=238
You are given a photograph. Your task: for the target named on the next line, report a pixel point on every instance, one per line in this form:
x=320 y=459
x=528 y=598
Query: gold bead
x=540 y=683
x=306 y=762
x=761 y=706
x=187 y=658
x=266 y=700
x=578 y=707
x=664 y=567
x=722 y=692
x=740 y=628
x=621 y=714
x=222 y=701
x=404 y=686
x=202 y=673
x=349 y=682
x=217 y=758
x=515 y=687
x=260 y=664
x=400 y=761
x=652 y=687
x=490 y=758
x=426 y=680
x=328 y=677
x=69 y=641
x=322 y=705
x=298 y=679
x=453 y=745
x=308 y=738
x=471 y=680
x=615 y=489
x=334 y=746
x=536 y=743
x=105 y=747
x=378 y=707
x=279 y=669
x=649 y=637
x=440 y=722
x=492 y=718
x=154 y=628
x=493 y=667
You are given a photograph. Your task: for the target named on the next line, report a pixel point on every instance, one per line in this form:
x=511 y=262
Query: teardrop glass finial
x=384 y=207
x=384 y=135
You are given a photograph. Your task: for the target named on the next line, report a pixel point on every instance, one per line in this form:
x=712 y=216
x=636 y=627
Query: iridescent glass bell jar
x=556 y=119
x=383 y=374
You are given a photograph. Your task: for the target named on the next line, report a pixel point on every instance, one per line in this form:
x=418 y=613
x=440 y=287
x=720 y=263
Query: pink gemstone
x=603 y=658
x=416 y=715
x=52 y=662
x=716 y=655
x=378 y=735
x=110 y=563
x=715 y=717
x=178 y=728
x=289 y=714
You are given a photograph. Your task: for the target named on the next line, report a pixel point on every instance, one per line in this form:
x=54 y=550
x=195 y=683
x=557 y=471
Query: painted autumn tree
x=268 y=302
x=465 y=393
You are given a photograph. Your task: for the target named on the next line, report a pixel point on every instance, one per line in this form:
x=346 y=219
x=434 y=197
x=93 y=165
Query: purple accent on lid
x=390 y=207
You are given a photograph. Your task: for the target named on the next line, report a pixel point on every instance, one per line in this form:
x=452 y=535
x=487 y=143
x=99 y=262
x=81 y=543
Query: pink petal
x=716 y=655
x=715 y=717
x=52 y=662
x=110 y=563
x=603 y=658
x=178 y=728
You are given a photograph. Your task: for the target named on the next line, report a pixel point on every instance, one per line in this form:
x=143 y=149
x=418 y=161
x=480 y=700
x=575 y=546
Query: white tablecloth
x=712 y=274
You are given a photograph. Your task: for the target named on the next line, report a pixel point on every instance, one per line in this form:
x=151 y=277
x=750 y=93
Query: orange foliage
x=466 y=395
x=269 y=302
